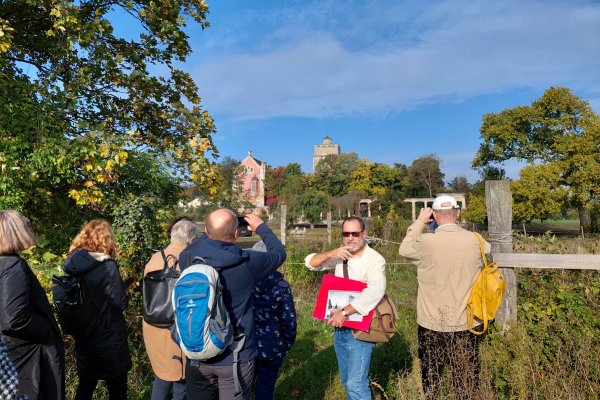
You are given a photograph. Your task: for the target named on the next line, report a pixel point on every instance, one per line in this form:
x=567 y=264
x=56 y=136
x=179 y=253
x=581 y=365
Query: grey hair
x=15 y=233
x=184 y=231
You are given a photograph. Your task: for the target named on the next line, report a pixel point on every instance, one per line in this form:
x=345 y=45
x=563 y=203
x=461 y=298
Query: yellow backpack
x=486 y=294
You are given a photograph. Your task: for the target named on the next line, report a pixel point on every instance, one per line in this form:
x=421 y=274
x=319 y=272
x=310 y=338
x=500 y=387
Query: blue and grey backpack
x=202 y=326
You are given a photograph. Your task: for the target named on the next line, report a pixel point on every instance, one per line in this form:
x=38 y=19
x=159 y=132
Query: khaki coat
x=448 y=263
x=159 y=345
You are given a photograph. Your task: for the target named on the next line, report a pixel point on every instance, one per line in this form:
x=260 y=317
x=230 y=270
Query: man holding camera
x=448 y=263
x=364 y=265
x=240 y=271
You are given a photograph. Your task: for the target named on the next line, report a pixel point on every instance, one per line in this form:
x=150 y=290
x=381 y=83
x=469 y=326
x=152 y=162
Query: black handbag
x=157 y=292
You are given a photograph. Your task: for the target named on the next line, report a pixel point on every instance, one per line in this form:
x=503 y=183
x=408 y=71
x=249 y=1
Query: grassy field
x=560 y=223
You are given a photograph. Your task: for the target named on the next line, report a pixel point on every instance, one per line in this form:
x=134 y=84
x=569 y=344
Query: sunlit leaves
x=559 y=135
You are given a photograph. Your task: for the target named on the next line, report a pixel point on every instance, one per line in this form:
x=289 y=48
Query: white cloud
x=379 y=59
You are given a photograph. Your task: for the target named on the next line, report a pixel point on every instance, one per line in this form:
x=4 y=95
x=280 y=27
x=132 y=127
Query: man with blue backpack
x=213 y=304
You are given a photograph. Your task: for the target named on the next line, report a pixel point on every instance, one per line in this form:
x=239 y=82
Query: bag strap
x=167 y=258
x=346 y=269
x=483 y=282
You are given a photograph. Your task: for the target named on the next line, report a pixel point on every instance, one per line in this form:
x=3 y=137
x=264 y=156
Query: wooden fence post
x=498 y=200
x=283 y=216
x=329 y=227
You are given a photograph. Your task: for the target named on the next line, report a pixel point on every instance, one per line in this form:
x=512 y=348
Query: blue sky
x=390 y=80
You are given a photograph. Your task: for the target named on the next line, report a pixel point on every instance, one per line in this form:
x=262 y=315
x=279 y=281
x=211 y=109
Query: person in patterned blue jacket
x=274 y=328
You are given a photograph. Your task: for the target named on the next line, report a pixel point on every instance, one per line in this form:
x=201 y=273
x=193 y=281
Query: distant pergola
x=459 y=197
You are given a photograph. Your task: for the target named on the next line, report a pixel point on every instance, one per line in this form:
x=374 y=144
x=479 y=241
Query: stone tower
x=321 y=150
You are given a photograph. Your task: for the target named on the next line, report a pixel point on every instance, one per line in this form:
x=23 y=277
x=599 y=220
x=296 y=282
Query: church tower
x=321 y=150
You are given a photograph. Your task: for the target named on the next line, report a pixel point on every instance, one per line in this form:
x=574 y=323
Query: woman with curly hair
x=105 y=353
x=33 y=341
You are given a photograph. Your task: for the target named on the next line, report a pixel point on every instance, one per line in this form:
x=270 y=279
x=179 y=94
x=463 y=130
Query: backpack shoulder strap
x=483 y=288
x=346 y=269
x=167 y=258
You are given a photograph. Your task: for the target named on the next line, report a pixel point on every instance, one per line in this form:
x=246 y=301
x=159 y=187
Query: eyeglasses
x=348 y=234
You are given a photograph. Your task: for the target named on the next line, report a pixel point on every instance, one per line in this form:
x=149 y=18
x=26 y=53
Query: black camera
x=243 y=228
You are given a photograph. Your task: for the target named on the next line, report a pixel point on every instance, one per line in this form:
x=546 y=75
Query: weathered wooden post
x=498 y=200
x=329 y=227
x=283 y=217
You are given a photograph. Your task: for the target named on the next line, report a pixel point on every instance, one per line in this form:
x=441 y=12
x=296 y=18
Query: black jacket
x=30 y=331
x=105 y=354
x=274 y=317
x=242 y=270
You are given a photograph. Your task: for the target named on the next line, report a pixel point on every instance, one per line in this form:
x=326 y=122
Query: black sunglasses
x=348 y=234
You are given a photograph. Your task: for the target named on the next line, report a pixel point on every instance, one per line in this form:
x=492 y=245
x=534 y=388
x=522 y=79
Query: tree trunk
x=584 y=219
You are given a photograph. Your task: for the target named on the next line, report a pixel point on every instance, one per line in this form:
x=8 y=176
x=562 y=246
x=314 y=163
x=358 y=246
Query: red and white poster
x=337 y=293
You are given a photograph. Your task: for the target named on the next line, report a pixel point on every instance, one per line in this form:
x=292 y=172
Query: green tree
x=558 y=136
x=425 y=177
x=373 y=179
x=292 y=194
x=231 y=179
x=333 y=173
x=459 y=184
x=80 y=111
x=314 y=203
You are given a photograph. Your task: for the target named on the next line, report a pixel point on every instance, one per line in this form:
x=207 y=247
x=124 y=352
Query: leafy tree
x=273 y=183
x=314 y=203
x=373 y=178
x=292 y=195
x=292 y=169
x=333 y=173
x=231 y=179
x=558 y=136
x=459 y=184
x=80 y=111
x=425 y=176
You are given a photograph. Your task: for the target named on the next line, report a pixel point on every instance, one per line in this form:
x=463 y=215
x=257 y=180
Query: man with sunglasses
x=364 y=265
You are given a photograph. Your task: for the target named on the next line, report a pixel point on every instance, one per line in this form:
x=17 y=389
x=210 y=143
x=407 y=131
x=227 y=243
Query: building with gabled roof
x=253 y=180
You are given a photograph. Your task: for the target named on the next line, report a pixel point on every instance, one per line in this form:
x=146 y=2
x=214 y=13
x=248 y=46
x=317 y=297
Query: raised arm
x=410 y=246
x=327 y=259
x=262 y=264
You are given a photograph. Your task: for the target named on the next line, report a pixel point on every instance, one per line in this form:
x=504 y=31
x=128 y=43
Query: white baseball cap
x=437 y=203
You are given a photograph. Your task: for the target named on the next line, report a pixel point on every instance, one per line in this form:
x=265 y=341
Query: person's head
x=353 y=231
x=445 y=210
x=222 y=225
x=184 y=231
x=98 y=237
x=15 y=233
x=175 y=220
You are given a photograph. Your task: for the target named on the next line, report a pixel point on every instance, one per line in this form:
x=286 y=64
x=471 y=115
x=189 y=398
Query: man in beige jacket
x=448 y=263
x=169 y=371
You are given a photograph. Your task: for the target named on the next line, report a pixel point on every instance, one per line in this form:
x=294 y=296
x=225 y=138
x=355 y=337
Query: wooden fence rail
x=499 y=209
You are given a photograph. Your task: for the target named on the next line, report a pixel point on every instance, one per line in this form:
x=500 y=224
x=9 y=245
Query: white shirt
x=369 y=267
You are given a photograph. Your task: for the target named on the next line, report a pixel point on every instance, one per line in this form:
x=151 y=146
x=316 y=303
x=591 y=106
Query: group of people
x=258 y=300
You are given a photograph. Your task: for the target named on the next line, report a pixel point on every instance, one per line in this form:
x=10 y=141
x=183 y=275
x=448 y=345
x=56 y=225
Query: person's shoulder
x=283 y=283
x=13 y=261
x=155 y=263
x=374 y=255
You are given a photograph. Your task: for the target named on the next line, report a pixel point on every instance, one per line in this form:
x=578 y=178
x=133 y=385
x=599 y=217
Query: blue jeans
x=354 y=360
x=161 y=389
x=266 y=373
